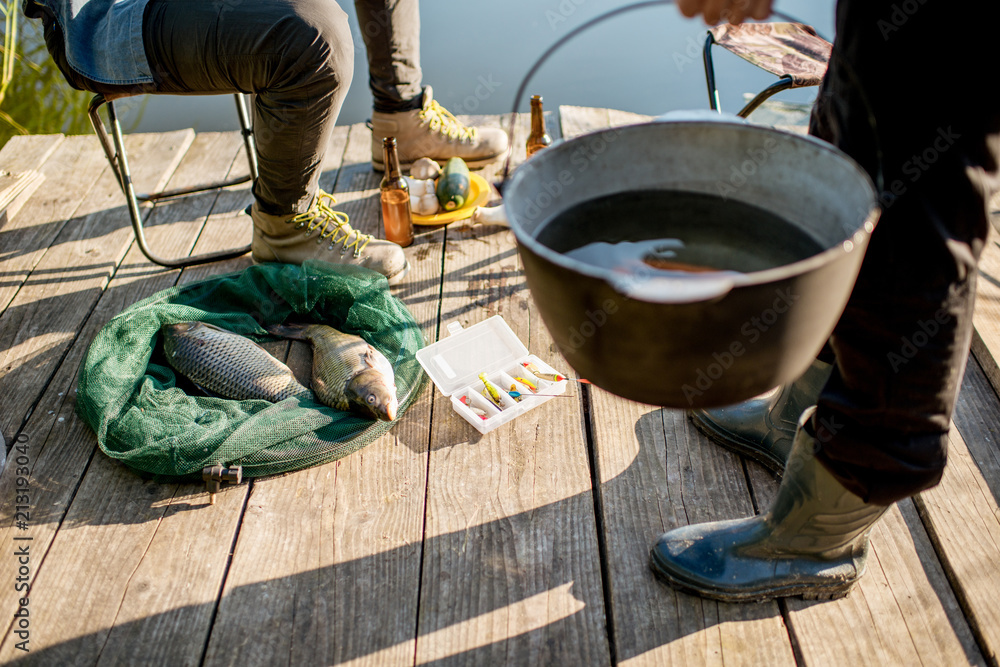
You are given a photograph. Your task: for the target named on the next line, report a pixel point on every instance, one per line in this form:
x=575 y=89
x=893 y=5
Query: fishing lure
x=477 y=411
x=528 y=383
x=491 y=392
x=517 y=396
x=539 y=373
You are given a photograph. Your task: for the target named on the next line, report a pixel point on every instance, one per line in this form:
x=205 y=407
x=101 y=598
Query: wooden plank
x=977 y=416
x=26 y=152
x=75 y=163
x=327 y=563
x=511 y=564
x=175 y=226
x=61 y=447
x=20 y=161
x=962 y=513
x=167 y=619
x=128 y=591
x=42 y=321
x=986 y=332
x=576 y=121
x=15 y=190
x=157 y=613
x=617 y=117
x=657 y=472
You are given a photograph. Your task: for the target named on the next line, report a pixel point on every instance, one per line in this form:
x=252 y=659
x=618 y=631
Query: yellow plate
x=479 y=193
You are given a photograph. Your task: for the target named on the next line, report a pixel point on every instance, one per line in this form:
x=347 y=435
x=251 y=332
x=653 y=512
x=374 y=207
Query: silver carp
x=227 y=364
x=347 y=372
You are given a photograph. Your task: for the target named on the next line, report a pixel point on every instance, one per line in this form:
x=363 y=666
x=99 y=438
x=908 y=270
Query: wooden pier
x=433 y=545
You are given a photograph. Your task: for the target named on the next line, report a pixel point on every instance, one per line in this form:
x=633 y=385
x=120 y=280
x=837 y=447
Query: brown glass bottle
x=539 y=138
x=395 y=194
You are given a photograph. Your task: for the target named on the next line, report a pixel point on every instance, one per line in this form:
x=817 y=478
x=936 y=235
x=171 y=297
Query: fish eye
x=371 y=399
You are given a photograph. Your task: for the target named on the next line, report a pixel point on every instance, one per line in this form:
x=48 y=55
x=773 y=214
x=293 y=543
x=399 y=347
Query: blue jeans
x=295 y=56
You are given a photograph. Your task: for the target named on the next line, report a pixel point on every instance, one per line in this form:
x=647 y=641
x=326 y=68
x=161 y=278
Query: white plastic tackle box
x=491 y=347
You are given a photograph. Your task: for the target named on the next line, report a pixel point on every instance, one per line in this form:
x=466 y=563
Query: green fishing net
x=131 y=398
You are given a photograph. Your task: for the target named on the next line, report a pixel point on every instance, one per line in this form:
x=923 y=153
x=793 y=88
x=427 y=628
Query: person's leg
x=296 y=56
x=934 y=217
x=391 y=32
x=879 y=431
x=763 y=428
x=903 y=340
x=402 y=107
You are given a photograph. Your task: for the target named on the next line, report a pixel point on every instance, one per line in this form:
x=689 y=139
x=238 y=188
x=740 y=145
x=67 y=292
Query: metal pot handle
x=490 y=215
x=835 y=52
x=663 y=289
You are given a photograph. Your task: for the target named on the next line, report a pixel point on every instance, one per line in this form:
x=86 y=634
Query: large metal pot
x=709 y=339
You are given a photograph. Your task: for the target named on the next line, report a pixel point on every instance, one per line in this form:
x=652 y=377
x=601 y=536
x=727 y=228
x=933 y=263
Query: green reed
x=34 y=95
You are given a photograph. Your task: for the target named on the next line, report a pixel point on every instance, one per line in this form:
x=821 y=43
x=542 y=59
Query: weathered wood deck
x=433 y=545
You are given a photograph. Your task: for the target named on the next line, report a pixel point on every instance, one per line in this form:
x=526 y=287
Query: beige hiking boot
x=433 y=132
x=322 y=233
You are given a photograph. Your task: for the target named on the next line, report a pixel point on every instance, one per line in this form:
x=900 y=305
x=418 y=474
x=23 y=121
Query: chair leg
x=118 y=160
x=246 y=129
x=784 y=83
x=713 y=91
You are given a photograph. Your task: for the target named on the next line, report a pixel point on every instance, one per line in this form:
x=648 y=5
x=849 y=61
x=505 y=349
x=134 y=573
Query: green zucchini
x=453 y=184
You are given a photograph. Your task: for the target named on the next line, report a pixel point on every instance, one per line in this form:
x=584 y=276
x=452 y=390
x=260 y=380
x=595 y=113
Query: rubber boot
x=434 y=132
x=763 y=427
x=324 y=234
x=813 y=541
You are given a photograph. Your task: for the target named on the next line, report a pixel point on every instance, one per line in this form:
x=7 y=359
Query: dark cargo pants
x=902 y=343
x=295 y=56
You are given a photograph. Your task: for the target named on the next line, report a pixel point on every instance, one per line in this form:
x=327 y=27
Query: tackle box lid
x=455 y=362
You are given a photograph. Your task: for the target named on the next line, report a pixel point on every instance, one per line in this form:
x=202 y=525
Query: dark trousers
x=295 y=56
x=902 y=343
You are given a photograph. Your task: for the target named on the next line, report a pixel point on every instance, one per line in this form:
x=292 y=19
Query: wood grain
x=22 y=158
x=326 y=568
x=657 y=472
x=511 y=565
x=15 y=190
x=75 y=163
x=125 y=612
x=167 y=620
x=433 y=544
x=962 y=513
x=43 y=319
x=986 y=334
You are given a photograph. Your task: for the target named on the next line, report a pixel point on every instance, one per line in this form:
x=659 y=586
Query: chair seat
x=790 y=50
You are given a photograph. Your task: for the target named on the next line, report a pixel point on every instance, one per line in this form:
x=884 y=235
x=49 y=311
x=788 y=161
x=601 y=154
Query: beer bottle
x=395 y=196
x=539 y=138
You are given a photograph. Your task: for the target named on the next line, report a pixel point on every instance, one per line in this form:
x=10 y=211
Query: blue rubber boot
x=813 y=541
x=763 y=427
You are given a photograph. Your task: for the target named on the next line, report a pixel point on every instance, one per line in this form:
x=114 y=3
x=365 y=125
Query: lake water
x=475 y=55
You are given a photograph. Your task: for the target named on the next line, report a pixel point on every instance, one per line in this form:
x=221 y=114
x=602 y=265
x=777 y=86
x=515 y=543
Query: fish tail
x=296 y=331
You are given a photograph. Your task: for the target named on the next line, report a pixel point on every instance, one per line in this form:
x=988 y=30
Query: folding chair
x=114 y=149
x=791 y=51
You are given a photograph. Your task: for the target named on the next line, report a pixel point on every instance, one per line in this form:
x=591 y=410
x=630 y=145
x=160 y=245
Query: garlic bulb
x=425 y=168
x=423 y=200
x=424 y=204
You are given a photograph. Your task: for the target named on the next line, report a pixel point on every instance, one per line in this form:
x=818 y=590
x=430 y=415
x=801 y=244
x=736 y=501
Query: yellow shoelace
x=332 y=225
x=441 y=120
